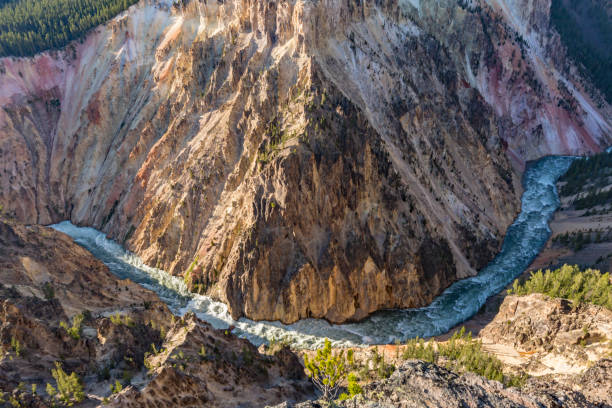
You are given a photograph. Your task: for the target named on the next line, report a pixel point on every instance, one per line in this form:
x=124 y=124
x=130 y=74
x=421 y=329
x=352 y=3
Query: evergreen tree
x=31 y=26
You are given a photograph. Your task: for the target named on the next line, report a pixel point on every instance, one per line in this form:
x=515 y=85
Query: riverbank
x=459 y=302
x=581 y=235
x=553 y=350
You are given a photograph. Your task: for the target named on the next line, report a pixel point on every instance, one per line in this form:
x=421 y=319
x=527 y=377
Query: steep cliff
x=297 y=158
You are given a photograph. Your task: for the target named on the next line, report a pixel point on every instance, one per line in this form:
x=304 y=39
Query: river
x=524 y=240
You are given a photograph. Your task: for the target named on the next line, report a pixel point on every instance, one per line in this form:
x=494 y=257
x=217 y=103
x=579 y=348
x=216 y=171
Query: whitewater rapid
x=524 y=240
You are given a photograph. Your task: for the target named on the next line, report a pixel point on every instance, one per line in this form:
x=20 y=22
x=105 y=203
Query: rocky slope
x=549 y=336
x=420 y=384
x=46 y=279
x=297 y=158
x=127 y=335
x=227 y=372
x=564 y=350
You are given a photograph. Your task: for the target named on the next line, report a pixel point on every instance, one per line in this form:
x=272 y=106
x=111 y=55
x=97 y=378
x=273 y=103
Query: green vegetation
x=74 y=331
x=579 y=239
x=119 y=320
x=569 y=282
x=373 y=368
x=380 y=366
x=462 y=353
x=593 y=199
x=417 y=348
x=187 y=277
x=18 y=398
x=583 y=170
x=279 y=343
x=586 y=31
x=353 y=388
x=31 y=26
x=69 y=387
x=48 y=291
x=589 y=179
x=116 y=388
x=16 y=346
x=602 y=211
x=326 y=370
x=276 y=142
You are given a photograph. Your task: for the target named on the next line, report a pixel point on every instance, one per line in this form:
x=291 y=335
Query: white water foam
x=458 y=303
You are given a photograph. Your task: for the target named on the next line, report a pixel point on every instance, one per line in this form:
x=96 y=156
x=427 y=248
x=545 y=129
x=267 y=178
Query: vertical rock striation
x=297 y=158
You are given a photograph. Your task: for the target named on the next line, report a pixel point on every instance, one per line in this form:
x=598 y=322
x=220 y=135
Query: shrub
x=48 y=291
x=116 y=319
x=16 y=346
x=353 y=388
x=74 y=331
x=119 y=320
x=188 y=274
x=383 y=370
x=569 y=282
x=116 y=388
x=417 y=348
x=69 y=387
x=279 y=343
x=326 y=370
x=466 y=354
x=462 y=353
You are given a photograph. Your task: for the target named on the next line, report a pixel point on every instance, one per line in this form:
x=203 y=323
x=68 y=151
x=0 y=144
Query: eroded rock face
x=200 y=366
x=556 y=335
x=46 y=279
x=421 y=384
x=295 y=158
x=126 y=333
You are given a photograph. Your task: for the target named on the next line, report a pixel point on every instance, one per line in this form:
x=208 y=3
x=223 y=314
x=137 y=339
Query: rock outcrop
x=297 y=158
x=199 y=366
x=126 y=334
x=420 y=384
x=553 y=335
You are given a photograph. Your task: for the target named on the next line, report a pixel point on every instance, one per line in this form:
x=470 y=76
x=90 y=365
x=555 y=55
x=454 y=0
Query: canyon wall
x=297 y=158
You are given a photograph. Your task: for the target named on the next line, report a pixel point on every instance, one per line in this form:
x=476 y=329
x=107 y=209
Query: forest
x=569 y=282
x=586 y=30
x=587 y=172
x=589 y=178
x=28 y=27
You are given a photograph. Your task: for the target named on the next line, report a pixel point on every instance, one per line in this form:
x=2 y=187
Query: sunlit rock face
x=297 y=158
